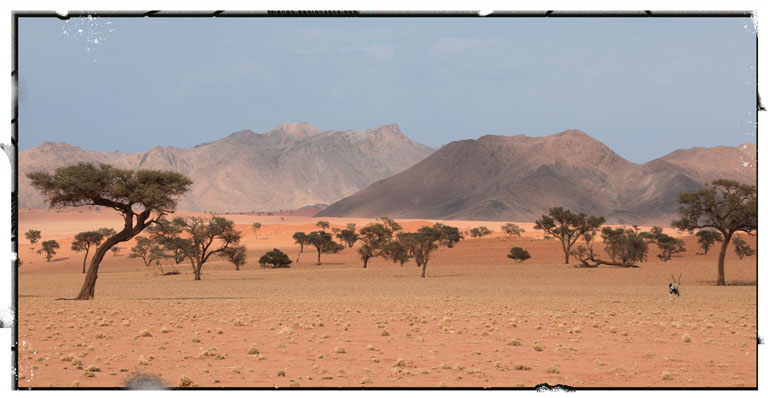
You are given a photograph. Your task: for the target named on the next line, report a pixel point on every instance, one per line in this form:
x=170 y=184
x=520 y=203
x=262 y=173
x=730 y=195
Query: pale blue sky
x=643 y=86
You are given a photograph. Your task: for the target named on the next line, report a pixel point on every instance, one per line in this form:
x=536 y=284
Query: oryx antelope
x=674 y=288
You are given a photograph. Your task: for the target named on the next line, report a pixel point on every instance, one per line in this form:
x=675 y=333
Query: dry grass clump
x=401 y=363
x=144 y=360
x=666 y=375
x=686 y=338
x=366 y=380
x=340 y=350
x=384 y=333
x=253 y=351
x=553 y=369
x=520 y=366
x=143 y=333
x=185 y=381
x=515 y=342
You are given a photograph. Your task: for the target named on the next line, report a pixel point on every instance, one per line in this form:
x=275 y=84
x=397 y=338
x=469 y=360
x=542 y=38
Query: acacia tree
x=301 y=239
x=142 y=197
x=375 y=237
x=323 y=242
x=422 y=243
x=512 y=229
x=479 y=232
x=518 y=254
x=323 y=225
x=726 y=206
x=167 y=235
x=84 y=241
x=397 y=251
x=625 y=246
x=49 y=248
x=707 y=239
x=348 y=235
x=148 y=250
x=276 y=258
x=669 y=246
x=741 y=248
x=567 y=226
x=235 y=255
x=448 y=235
x=203 y=233
x=255 y=227
x=33 y=236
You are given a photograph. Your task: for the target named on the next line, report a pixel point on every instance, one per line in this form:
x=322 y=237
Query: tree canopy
x=33 y=236
x=49 y=248
x=275 y=258
x=141 y=196
x=512 y=229
x=725 y=205
x=568 y=226
x=518 y=254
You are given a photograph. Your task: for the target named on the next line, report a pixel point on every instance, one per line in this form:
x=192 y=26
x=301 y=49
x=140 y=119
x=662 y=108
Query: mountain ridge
x=516 y=178
x=288 y=167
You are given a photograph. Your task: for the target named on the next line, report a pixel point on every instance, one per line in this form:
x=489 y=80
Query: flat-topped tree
x=235 y=255
x=203 y=233
x=512 y=229
x=84 y=241
x=323 y=225
x=33 y=236
x=323 y=242
x=568 y=226
x=142 y=197
x=725 y=205
x=49 y=248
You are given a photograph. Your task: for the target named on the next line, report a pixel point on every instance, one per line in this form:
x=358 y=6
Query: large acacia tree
x=140 y=196
x=725 y=205
x=568 y=226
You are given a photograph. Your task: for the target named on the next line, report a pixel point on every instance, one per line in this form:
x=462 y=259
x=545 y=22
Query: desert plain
x=477 y=319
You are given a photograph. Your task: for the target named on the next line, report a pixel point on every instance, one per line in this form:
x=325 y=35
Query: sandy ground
x=477 y=320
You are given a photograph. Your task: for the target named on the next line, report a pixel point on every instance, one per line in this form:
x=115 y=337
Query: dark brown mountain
x=291 y=166
x=498 y=178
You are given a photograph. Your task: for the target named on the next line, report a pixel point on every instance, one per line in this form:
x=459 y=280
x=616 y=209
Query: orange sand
x=325 y=325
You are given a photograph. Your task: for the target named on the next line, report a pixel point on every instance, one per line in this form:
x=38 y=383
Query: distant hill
x=291 y=166
x=518 y=178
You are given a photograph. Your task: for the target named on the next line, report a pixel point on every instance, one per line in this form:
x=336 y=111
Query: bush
x=518 y=254
x=275 y=258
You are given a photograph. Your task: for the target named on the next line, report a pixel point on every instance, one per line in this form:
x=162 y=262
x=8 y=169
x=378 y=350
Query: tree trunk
x=424 y=270
x=85 y=259
x=196 y=271
x=89 y=285
x=318 y=256
x=721 y=259
x=566 y=251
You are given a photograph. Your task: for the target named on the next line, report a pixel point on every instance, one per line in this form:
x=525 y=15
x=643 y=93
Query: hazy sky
x=643 y=86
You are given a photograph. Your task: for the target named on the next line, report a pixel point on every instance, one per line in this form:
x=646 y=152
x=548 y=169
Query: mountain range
x=517 y=178
x=291 y=166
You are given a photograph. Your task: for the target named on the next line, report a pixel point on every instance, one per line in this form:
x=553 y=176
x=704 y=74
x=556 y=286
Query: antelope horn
x=678 y=278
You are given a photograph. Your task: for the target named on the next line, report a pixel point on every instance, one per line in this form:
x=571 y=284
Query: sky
x=642 y=86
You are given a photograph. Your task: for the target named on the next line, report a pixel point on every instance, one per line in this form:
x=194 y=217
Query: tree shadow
x=59 y=259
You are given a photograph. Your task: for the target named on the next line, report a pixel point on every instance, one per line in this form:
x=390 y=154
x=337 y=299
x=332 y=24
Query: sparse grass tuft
x=340 y=350
x=521 y=366
x=686 y=338
x=185 y=381
x=666 y=375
